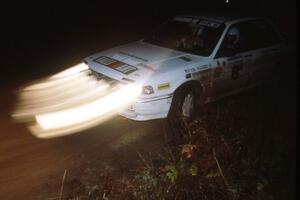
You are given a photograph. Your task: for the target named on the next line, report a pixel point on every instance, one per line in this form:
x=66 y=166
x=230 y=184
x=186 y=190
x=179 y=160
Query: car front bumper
x=147 y=109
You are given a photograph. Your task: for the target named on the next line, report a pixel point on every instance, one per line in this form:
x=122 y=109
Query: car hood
x=138 y=61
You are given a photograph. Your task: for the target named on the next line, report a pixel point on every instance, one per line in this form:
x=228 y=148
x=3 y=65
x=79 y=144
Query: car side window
x=250 y=35
x=235 y=41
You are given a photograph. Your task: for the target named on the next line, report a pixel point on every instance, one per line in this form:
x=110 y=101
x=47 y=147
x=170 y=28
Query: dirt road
x=31 y=167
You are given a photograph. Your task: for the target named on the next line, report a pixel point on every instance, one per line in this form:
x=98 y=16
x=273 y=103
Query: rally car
x=190 y=60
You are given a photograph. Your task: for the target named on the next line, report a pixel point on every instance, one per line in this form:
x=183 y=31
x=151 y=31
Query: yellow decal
x=163 y=86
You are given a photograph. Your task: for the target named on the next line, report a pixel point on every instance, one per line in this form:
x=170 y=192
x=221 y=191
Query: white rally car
x=190 y=60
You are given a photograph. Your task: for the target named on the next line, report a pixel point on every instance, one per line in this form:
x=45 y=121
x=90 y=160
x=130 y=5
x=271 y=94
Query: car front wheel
x=183 y=104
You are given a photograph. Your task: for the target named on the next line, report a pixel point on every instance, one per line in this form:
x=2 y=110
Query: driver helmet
x=233 y=35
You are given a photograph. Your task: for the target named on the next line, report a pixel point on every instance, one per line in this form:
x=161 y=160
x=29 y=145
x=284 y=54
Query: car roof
x=216 y=18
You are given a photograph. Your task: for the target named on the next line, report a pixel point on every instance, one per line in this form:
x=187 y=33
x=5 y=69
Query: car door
x=236 y=61
x=266 y=43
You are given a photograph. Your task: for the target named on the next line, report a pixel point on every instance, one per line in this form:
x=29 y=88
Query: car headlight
x=147 y=90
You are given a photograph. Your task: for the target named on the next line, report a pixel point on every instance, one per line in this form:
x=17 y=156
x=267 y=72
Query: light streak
x=88 y=111
x=70 y=101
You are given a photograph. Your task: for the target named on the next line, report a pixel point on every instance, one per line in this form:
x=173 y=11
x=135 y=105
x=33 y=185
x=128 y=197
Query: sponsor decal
x=203 y=73
x=205 y=22
x=163 y=86
x=115 y=64
x=196 y=69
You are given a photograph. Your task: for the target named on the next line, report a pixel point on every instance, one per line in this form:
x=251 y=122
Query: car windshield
x=196 y=38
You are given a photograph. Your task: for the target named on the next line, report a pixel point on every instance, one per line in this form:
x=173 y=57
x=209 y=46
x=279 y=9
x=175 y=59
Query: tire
x=184 y=104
